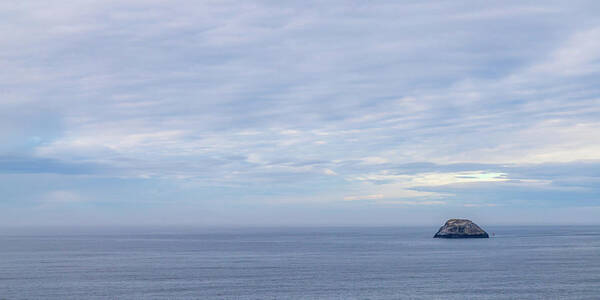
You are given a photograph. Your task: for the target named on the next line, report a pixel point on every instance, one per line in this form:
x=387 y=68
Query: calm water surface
x=308 y=263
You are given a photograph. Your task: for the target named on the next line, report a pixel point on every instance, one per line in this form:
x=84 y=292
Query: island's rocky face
x=460 y=229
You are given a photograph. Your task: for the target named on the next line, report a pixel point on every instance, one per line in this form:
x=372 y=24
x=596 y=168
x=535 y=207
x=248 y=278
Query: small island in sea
x=460 y=229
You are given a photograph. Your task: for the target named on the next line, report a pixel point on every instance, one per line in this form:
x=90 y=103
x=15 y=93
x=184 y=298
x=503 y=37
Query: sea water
x=302 y=263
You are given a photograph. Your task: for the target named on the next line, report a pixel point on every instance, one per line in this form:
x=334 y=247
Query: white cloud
x=374 y=160
x=433 y=179
x=365 y=197
x=580 y=55
x=62 y=197
x=329 y=172
x=480 y=205
x=427 y=202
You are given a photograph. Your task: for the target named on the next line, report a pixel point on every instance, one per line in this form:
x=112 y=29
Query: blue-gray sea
x=302 y=263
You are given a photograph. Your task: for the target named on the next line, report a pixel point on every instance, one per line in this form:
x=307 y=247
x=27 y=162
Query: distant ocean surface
x=303 y=263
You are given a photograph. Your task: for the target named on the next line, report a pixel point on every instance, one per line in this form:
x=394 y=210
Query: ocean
x=545 y=262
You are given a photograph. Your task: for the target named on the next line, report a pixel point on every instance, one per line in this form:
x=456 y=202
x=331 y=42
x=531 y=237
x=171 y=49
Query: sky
x=299 y=113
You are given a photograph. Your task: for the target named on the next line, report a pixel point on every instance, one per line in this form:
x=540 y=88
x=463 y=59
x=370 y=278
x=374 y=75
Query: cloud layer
x=235 y=109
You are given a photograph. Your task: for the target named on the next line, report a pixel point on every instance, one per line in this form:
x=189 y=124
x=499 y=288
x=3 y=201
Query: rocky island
x=460 y=229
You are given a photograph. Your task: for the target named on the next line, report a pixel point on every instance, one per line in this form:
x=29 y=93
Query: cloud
x=62 y=197
x=479 y=205
x=578 y=56
x=366 y=197
x=433 y=179
x=36 y=165
x=329 y=172
x=415 y=202
x=374 y=160
x=271 y=102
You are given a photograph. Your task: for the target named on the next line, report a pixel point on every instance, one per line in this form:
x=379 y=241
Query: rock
x=460 y=229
